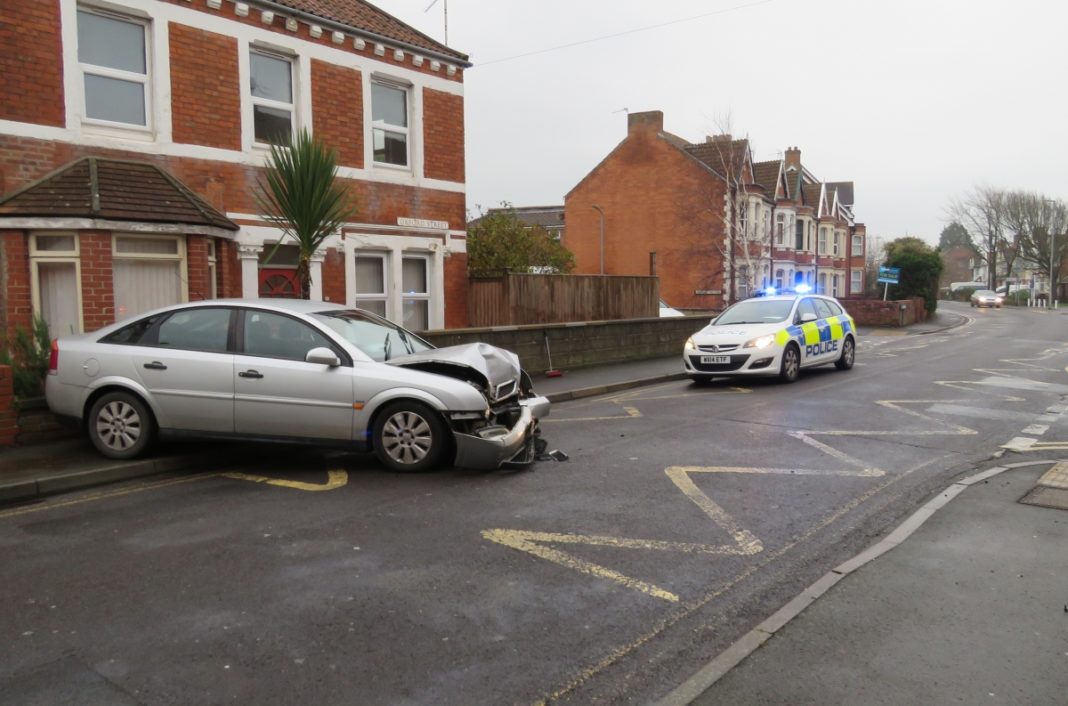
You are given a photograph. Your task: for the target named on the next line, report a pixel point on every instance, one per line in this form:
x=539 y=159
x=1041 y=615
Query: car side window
x=822 y=310
x=196 y=330
x=132 y=334
x=273 y=335
x=836 y=310
x=805 y=307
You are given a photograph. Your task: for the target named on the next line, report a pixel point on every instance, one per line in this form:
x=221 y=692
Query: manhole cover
x=1047 y=497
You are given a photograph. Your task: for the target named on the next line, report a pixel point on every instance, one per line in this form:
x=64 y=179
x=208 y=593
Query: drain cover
x=1042 y=496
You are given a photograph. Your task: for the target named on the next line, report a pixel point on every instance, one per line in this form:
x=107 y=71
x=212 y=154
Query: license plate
x=715 y=359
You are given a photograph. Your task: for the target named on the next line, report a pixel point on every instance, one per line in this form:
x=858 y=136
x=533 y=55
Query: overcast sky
x=915 y=101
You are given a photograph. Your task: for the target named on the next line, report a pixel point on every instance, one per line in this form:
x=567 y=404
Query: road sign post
x=888 y=275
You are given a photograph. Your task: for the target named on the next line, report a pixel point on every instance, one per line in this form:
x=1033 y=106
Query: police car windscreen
x=756 y=312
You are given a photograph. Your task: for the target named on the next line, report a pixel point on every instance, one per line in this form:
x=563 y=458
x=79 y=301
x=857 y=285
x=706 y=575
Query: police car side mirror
x=807 y=316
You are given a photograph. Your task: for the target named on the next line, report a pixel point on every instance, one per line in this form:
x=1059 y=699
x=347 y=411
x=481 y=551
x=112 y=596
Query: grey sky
x=916 y=102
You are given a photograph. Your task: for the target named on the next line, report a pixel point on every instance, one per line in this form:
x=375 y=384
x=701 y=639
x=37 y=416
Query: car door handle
x=250 y=374
x=155 y=365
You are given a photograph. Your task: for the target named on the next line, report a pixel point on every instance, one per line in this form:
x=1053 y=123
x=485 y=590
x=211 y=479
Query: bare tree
x=982 y=213
x=1038 y=224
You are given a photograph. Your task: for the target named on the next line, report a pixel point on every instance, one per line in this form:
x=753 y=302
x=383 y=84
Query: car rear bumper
x=495 y=445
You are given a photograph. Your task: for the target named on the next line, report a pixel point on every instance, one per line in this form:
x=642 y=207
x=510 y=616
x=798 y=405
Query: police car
x=776 y=334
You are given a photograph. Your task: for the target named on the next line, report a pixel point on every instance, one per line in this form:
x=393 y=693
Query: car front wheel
x=791 y=364
x=120 y=425
x=849 y=354
x=409 y=437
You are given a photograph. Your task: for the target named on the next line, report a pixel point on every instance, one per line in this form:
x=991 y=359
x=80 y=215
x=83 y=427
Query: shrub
x=1018 y=298
x=28 y=356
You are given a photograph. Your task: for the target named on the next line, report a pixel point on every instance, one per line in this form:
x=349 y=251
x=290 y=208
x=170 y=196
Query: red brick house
x=710 y=222
x=133 y=133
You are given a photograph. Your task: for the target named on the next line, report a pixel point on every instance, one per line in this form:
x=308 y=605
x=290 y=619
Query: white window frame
x=38 y=256
x=417 y=296
x=254 y=100
x=858 y=245
x=780 y=276
x=780 y=226
x=213 y=288
x=179 y=257
x=407 y=131
x=383 y=296
x=106 y=72
x=856 y=284
x=835 y=247
x=821 y=247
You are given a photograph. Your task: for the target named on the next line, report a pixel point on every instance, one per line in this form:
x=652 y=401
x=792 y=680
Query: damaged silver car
x=295 y=371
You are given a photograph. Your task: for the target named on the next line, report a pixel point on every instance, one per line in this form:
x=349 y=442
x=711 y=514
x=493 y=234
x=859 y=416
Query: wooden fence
x=514 y=299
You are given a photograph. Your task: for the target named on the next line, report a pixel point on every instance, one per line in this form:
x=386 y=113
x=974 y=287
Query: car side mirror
x=807 y=316
x=323 y=356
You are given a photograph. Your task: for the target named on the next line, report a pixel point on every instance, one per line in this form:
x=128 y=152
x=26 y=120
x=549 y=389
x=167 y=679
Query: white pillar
x=315 y=270
x=249 y=255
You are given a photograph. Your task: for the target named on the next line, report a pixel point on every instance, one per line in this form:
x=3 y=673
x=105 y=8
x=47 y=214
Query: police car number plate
x=715 y=359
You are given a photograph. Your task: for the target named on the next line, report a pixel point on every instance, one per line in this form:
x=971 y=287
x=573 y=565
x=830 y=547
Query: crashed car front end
x=504 y=433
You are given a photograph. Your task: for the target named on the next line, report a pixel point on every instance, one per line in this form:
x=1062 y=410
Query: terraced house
x=133 y=134
x=709 y=221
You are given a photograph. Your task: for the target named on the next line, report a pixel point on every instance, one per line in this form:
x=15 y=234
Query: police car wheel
x=849 y=353
x=791 y=364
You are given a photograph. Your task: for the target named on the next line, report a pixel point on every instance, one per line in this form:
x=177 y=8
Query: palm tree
x=300 y=194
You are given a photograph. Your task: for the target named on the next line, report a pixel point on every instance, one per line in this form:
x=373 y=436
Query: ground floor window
x=778 y=279
x=371 y=281
x=823 y=284
x=415 y=288
x=55 y=272
x=147 y=272
x=856 y=282
x=743 y=282
x=834 y=285
x=213 y=284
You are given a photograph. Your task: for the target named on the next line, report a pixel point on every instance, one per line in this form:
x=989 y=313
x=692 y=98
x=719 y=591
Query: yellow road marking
x=335 y=480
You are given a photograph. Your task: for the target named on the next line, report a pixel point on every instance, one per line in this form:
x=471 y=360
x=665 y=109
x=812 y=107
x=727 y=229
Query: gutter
x=285 y=10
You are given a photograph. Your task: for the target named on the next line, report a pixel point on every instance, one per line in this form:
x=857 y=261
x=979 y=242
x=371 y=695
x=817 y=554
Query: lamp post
x=601 y=211
x=1052 y=303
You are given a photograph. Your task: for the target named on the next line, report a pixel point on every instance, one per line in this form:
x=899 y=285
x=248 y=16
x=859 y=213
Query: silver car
x=295 y=371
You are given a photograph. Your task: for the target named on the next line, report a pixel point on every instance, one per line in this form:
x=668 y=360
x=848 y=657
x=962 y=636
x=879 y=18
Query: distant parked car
x=667 y=312
x=296 y=371
x=986 y=297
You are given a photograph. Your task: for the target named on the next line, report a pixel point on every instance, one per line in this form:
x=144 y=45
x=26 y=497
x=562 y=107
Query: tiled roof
x=116 y=190
x=766 y=174
x=722 y=155
x=812 y=195
x=544 y=216
x=845 y=191
x=361 y=15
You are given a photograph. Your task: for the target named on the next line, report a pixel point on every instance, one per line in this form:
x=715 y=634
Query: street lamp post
x=601 y=211
x=1052 y=303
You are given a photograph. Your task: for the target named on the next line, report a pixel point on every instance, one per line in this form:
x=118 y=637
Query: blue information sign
x=889 y=274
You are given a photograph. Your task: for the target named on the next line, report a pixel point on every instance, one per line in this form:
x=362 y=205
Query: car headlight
x=690 y=345
x=761 y=342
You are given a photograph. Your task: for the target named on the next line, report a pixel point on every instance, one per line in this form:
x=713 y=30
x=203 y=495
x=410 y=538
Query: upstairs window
x=835 y=243
x=822 y=250
x=389 y=123
x=271 y=85
x=113 y=58
x=858 y=245
x=799 y=235
x=780 y=225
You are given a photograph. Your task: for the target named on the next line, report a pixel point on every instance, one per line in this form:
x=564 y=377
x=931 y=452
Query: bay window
x=147 y=273
x=55 y=273
x=371 y=282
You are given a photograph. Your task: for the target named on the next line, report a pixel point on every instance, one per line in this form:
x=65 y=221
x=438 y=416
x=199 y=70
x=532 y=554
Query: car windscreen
x=378 y=338
x=985 y=293
x=756 y=311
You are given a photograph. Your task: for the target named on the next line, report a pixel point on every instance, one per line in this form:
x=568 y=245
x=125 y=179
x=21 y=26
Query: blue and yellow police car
x=775 y=334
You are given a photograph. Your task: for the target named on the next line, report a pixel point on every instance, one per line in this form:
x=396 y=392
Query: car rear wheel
x=409 y=437
x=791 y=363
x=849 y=354
x=120 y=425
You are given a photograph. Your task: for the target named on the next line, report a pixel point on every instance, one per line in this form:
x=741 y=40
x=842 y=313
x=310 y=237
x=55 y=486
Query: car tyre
x=120 y=425
x=849 y=354
x=409 y=437
x=790 y=368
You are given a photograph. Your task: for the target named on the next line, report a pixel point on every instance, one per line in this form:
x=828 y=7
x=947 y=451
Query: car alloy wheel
x=791 y=364
x=120 y=425
x=409 y=436
x=849 y=354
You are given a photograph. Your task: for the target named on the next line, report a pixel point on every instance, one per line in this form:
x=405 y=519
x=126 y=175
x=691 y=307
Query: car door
x=810 y=334
x=185 y=363
x=828 y=347
x=278 y=393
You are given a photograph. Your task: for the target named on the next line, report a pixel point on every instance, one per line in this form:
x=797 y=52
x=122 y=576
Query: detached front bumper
x=494 y=446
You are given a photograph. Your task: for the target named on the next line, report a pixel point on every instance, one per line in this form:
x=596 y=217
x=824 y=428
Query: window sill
x=95 y=128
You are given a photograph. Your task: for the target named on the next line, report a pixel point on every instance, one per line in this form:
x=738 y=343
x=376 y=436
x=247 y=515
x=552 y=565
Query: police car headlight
x=762 y=342
x=690 y=345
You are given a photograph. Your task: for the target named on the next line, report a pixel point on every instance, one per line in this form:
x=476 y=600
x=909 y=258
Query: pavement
x=965 y=602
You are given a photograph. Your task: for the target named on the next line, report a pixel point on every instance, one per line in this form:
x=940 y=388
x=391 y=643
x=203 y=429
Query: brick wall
x=456 y=287
x=8 y=416
x=197 y=268
x=98 y=295
x=876 y=312
x=205 y=95
x=228 y=268
x=337 y=104
x=334 y=276
x=31 y=66
x=18 y=306
x=443 y=135
x=655 y=199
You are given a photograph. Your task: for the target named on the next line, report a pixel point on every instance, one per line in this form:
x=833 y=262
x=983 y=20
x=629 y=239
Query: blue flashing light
x=802 y=289
x=770 y=291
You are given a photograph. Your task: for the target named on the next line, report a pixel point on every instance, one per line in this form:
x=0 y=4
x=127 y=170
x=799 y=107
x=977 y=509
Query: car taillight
x=53 y=358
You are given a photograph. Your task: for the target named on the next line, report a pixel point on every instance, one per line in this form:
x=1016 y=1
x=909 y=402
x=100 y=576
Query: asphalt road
x=685 y=516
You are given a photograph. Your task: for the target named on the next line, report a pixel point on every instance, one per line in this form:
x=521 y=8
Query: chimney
x=793 y=157
x=649 y=121
x=725 y=137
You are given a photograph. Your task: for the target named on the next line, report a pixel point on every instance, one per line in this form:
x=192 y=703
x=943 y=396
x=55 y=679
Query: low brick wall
x=37 y=425
x=581 y=344
x=876 y=312
x=9 y=426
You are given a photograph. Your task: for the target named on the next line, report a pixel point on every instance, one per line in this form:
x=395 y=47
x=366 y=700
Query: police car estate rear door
x=827 y=349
